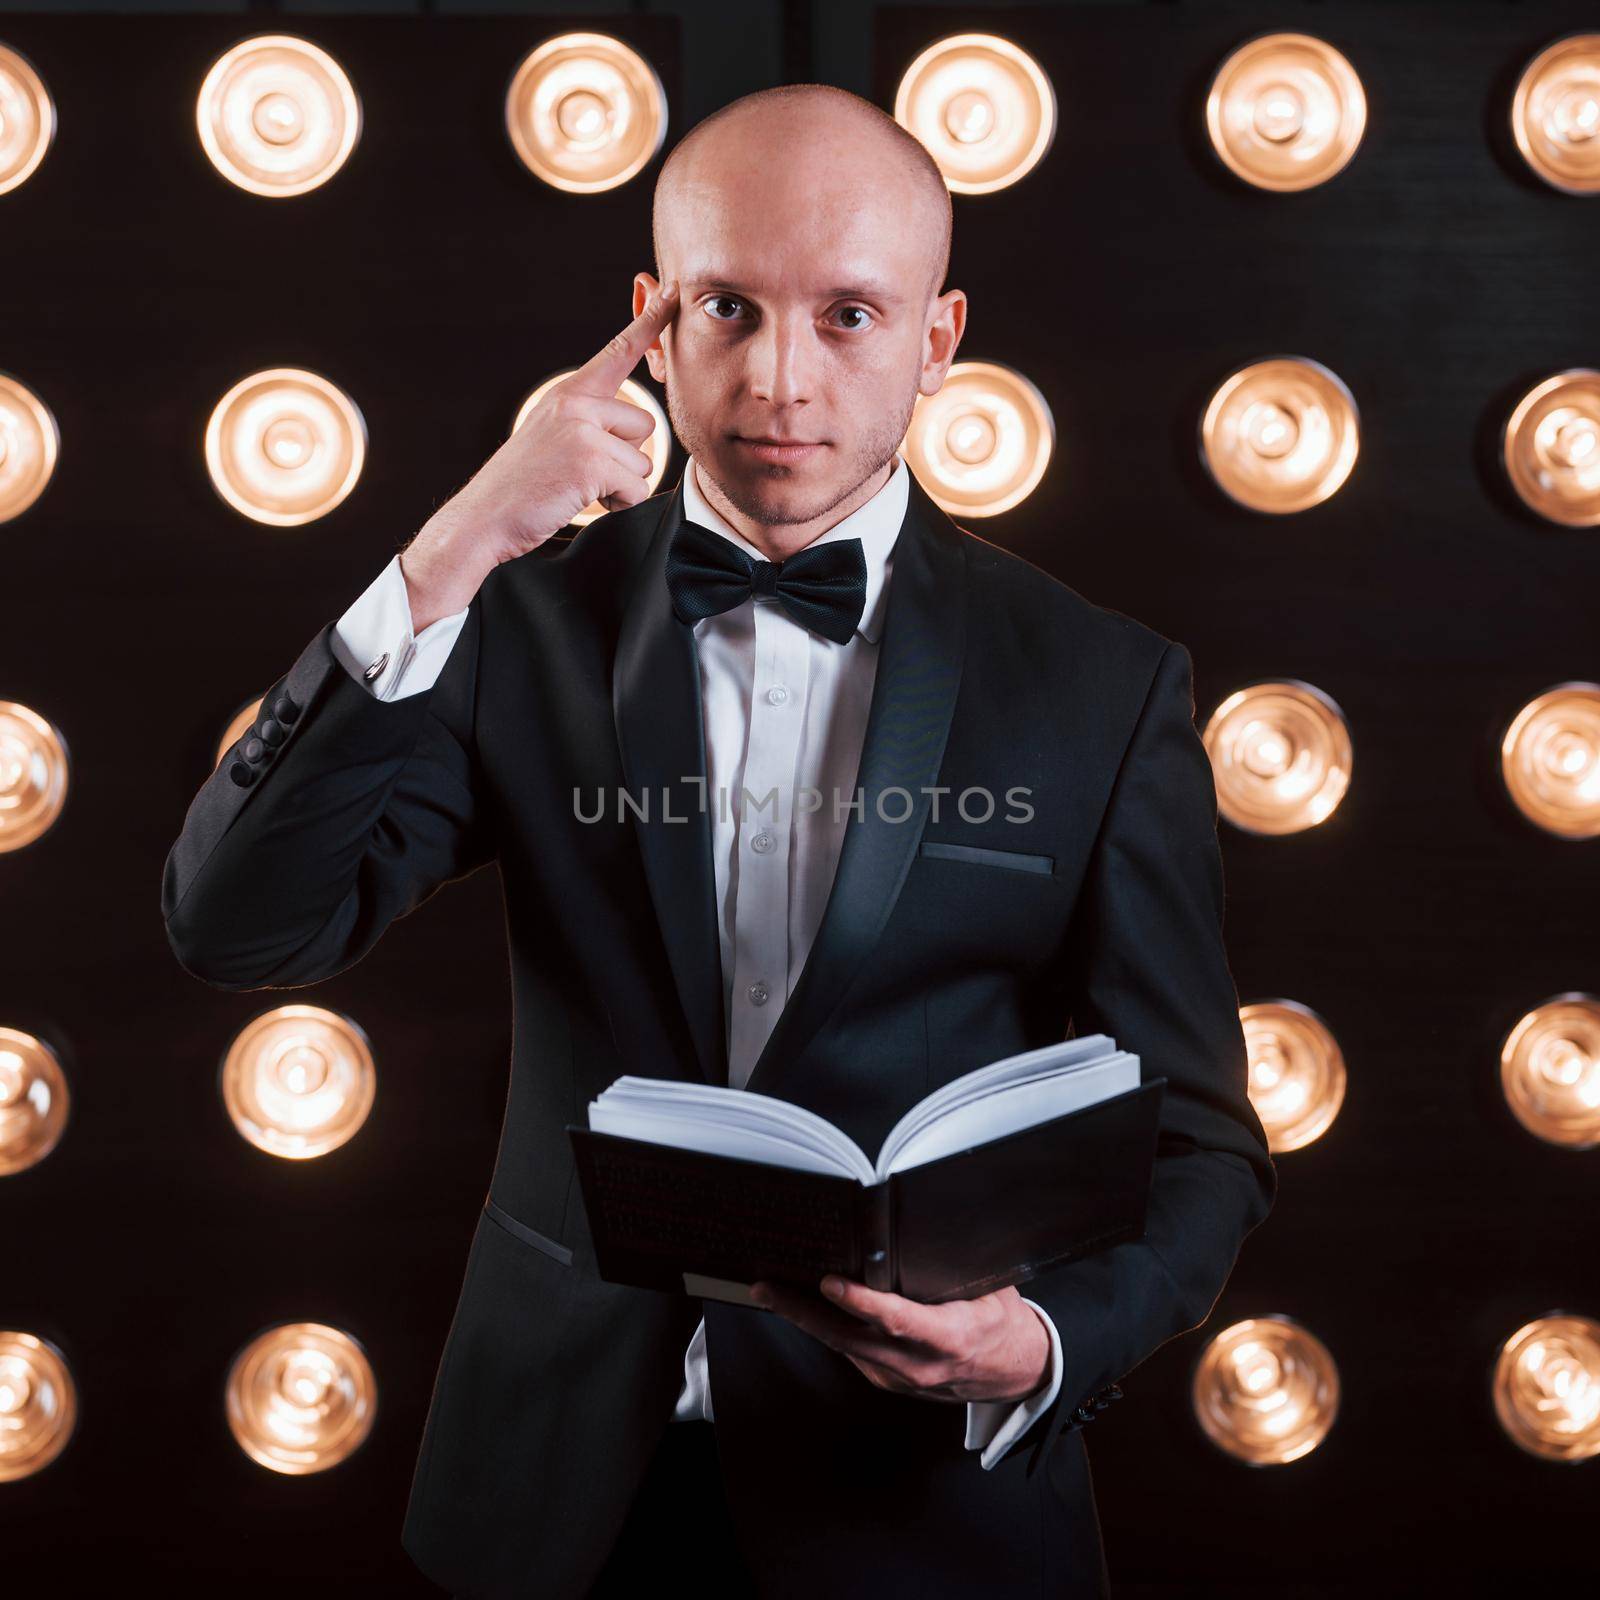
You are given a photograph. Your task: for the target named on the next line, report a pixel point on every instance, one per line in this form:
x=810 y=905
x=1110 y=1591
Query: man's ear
x=655 y=357
x=944 y=334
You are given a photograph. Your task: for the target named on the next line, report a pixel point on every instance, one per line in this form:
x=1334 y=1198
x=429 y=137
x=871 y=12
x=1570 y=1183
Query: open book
x=1020 y=1165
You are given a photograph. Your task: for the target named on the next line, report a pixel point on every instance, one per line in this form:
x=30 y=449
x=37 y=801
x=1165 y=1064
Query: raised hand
x=578 y=445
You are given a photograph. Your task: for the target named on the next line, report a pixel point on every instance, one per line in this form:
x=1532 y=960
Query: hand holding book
x=991 y=1348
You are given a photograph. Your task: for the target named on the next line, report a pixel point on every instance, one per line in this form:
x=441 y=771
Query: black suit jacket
x=571 y=674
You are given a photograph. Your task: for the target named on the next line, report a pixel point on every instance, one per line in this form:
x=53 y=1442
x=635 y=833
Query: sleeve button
x=241 y=774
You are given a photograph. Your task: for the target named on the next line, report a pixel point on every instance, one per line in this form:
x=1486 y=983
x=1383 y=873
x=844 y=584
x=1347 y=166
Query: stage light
x=1286 y=111
x=981 y=107
x=29 y=445
x=27 y=119
x=33 y=1100
x=658 y=447
x=1280 y=435
x=1546 y=1387
x=1281 y=756
x=1550 y=1071
x=301 y=1398
x=1551 y=448
x=285 y=446
x=1297 y=1072
x=298 y=1081
x=584 y=112
x=1550 y=760
x=38 y=1404
x=236 y=727
x=982 y=443
x=1266 y=1391
x=33 y=775
x=1555 y=114
x=277 y=115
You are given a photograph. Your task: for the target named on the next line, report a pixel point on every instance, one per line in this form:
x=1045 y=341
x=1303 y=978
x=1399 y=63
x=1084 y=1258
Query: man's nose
x=782 y=360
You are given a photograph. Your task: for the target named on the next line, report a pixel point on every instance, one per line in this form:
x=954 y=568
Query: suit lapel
x=655 y=701
x=661 y=735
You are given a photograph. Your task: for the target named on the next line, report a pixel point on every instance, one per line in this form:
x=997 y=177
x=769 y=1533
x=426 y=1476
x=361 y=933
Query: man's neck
x=778 y=541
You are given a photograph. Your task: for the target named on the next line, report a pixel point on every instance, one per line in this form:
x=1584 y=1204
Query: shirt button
x=777 y=694
x=762 y=842
x=758 y=993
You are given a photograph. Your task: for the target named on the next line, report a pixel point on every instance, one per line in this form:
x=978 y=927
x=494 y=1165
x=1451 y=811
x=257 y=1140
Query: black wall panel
x=1128 y=275
x=437 y=282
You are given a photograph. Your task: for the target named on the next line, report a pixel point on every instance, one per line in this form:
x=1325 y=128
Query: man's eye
x=721 y=300
x=860 y=312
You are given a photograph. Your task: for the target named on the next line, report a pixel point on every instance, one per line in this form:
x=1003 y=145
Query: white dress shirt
x=785 y=714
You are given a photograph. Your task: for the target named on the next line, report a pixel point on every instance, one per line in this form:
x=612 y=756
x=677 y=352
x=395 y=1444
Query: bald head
x=809 y=235
x=818 y=151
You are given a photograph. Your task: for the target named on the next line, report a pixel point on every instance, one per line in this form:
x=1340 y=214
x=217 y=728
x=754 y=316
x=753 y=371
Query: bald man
x=795 y=619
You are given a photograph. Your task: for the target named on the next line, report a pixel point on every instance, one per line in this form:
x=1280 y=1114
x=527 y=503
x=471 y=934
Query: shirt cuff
x=378 y=625
x=994 y=1425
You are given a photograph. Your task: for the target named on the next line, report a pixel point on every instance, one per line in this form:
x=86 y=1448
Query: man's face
x=805 y=316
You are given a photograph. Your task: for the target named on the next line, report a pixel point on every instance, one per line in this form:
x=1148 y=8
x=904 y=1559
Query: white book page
x=992 y=1116
x=741 y=1108
x=728 y=1122
x=1063 y=1055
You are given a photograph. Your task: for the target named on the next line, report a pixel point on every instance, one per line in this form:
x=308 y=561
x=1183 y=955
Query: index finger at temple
x=604 y=371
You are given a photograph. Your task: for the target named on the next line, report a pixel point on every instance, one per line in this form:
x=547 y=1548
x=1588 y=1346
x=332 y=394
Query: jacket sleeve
x=1145 y=963
x=334 y=814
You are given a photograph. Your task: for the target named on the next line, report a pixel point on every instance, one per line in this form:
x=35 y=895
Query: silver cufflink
x=376 y=667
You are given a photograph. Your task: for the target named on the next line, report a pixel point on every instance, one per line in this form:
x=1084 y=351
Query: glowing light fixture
x=301 y=1398
x=1297 y=1072
x=584 y=112
x=1266 y=1391
x=1286 y=111
x=38 y=1404
x=1555 y=114
x=298 y=1081
x=33 y=1100
x=1281 y=756
x=1551 y=448
x=27 y=119
x=1546 y=1387
x=1550 y=1071
x=277 y=115
x=982 y=443
x=982 y=108
x=658 y=447
x=29 y=445
x=1550 y=760
x=1280 y=435
x=33 y=775
x=285 y=446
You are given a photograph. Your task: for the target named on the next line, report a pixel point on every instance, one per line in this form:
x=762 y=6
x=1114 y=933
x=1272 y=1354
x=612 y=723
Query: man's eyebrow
x=864 y=289
x=861 y=289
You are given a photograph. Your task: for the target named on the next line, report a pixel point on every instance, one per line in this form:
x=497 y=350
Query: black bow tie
x=823 y=587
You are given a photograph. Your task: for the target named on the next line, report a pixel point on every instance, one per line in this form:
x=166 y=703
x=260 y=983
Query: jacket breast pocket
x=985 y=855
x=529 y=1236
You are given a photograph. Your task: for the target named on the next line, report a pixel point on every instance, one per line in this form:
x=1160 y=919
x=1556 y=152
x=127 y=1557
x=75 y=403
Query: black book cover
x=969 y=1223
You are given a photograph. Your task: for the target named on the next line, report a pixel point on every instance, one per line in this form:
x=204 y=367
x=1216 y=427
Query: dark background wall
x=1127 y=276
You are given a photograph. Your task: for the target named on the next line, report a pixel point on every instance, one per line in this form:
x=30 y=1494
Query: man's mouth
x=779 y=451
